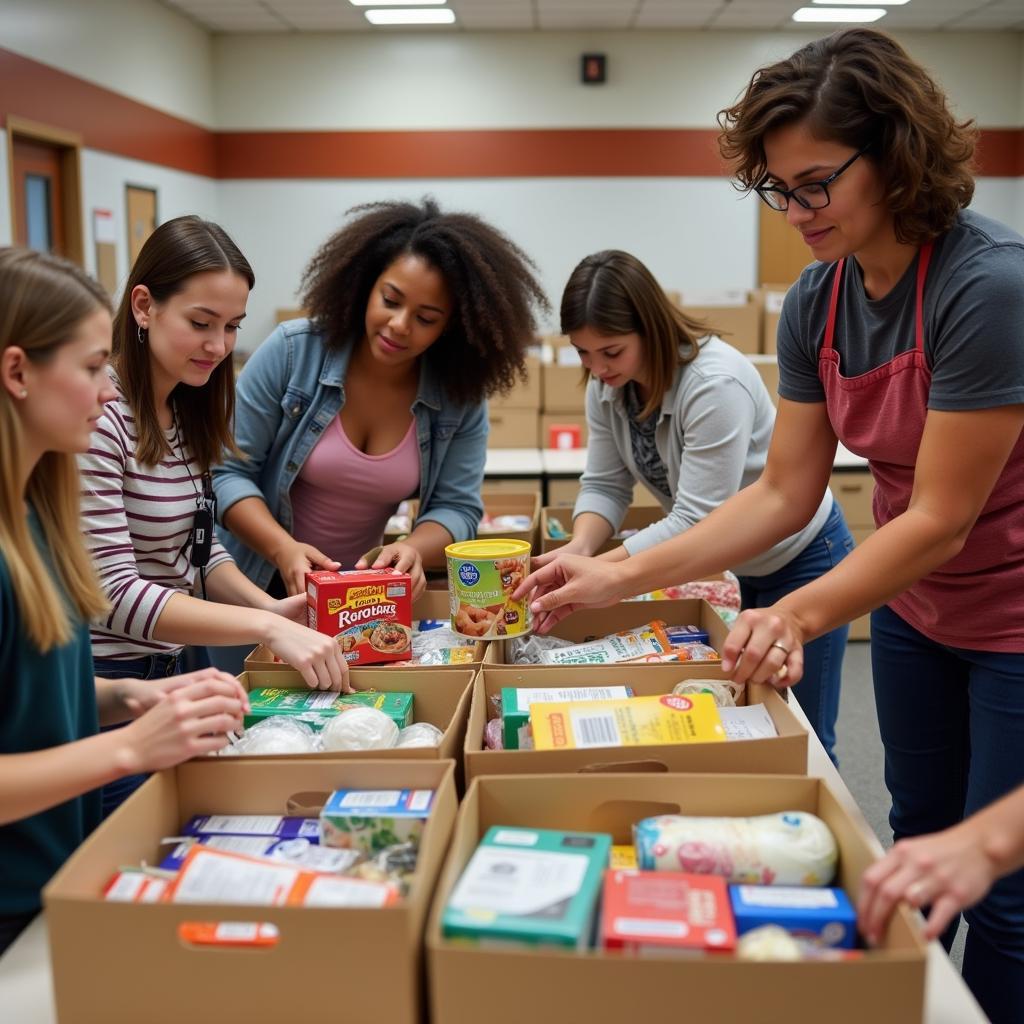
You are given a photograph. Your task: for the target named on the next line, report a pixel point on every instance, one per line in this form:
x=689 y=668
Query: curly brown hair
x=859 y=87
x=491 y=280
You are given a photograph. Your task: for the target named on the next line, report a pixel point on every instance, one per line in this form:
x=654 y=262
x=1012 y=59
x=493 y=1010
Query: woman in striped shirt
x=146 y=476
x=54 y=346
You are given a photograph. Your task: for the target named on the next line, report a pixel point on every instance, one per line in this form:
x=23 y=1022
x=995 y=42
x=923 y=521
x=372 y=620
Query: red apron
x=975 y=600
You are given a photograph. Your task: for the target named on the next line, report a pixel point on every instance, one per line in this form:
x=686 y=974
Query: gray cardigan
x=713 y=432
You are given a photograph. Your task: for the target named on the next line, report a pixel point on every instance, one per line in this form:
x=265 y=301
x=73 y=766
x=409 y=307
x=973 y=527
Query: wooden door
x=781 y=252
x=38 y=190
x=141 y=206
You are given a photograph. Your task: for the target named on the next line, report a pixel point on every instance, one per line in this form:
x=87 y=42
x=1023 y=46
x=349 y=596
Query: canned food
x=482 y=574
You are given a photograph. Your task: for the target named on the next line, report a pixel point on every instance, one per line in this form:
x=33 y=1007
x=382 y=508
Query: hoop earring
x=143 y=334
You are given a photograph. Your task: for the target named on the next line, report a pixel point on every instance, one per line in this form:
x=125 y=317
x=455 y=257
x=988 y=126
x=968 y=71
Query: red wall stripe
x=106 y=120
x=113 y=123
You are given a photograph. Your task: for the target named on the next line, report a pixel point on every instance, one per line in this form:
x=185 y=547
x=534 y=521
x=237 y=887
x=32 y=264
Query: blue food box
x=251 y=825
x=824 y=916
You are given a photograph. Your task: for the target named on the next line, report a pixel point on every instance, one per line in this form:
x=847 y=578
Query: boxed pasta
x=315 y=707
x=367 y=611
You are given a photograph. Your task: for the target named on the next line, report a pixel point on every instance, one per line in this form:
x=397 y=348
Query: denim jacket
x=290 y=390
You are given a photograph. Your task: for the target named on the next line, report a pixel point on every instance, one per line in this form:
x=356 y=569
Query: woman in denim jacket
x=415 y=317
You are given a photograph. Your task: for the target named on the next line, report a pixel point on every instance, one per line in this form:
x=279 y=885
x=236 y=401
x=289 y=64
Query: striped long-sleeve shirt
x=137 y=522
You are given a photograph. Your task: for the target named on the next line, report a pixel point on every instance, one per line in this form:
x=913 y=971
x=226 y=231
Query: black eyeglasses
x=812 y=195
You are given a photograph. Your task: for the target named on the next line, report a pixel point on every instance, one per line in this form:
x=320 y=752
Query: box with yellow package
x=633 y=722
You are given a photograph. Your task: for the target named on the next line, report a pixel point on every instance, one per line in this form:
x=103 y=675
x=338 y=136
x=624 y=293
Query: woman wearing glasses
x=905 y=342
x=679 y=411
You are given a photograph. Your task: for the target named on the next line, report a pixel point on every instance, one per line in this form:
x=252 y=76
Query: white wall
x=693 y=233
x=1002 y=199
x=6 y=228
x=103 y=185
x=135 y=47
x=514 y=80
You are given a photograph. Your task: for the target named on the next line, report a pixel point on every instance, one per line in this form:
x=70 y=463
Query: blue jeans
x=952 y=724
x=818 y=691
x=153 y=666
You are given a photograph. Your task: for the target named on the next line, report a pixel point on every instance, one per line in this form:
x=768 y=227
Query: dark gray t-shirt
x=973 y=321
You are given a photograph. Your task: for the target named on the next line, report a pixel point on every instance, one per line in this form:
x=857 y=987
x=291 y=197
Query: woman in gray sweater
x=678 y=410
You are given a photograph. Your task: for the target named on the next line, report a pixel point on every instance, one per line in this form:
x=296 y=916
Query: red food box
x=368 y=612
x=660 y=911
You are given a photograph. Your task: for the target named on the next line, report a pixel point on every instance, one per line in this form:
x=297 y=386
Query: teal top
x=46 y=700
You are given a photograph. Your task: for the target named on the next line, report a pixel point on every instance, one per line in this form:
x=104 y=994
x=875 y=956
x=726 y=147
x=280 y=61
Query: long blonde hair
x=42 y=300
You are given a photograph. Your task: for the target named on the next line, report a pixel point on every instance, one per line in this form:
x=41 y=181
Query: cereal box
x=370 y=820
x=367 y=611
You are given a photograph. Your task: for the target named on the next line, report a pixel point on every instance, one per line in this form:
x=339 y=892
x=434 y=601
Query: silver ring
x=785 y=650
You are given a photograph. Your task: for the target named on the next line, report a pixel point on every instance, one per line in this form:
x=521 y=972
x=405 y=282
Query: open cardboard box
x=550 y=986
x=594 y=623
x=500 y=503
x=783 y=754
x=440 y=697
x=636 y=518
x=431 y=604
x=121 y=963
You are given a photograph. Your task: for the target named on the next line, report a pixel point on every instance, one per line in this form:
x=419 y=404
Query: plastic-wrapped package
x=360 y=729
x=769 y=942
x=420 y=734
x=395 y=864
x=726 y=693
x=556 y=531
x=440 y=646
x=789 y=848
x=493 y=738
x=278 y=735
x=529 y=650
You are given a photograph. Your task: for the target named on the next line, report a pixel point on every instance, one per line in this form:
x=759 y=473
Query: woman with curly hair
x=415 y=317
x=904 y=342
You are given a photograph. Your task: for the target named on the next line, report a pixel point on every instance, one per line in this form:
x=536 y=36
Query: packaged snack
x=515 y=707
x=725 y=691
x=482 y=575
x=635 y=721
x=655 y=911
x=282 y=734
x=370 y=820
x=535 y=886
x=678 y=635
x=493 y=738
x=629 y=645
x=768 y=943
x=420 y=734
x=251 y=825
x=304 y=853
x=217 y=876
x=367 y=611
x=316 y=708
x=789 y=848
x=622 y=856
x=823 y=917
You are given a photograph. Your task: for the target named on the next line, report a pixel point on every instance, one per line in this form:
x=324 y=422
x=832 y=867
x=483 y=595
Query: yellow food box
x=629 y=722
x=623 y=857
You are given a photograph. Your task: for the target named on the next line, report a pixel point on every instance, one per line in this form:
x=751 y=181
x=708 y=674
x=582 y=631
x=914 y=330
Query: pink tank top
x=342 y=497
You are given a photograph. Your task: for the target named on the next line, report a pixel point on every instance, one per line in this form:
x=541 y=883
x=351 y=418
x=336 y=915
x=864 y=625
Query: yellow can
x=482 y=574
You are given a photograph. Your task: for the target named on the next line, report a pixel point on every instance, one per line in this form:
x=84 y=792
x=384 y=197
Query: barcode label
x=595 y=729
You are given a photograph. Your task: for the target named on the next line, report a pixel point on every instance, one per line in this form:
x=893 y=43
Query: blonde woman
x=54 y=346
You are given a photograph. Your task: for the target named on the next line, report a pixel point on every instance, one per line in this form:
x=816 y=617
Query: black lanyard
x=200 y=541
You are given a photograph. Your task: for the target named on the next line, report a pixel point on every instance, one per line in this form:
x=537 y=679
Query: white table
x=26 y=995
x=513 y=462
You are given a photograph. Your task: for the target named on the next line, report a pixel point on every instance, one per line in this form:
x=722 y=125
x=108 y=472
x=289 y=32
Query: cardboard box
x=768 y=368
x=525 y=395
x=500 y=503
x=512 y=428
x=855 y=490
x=729 y=314
x=441 y=696
x=120 y=963
x=636 y=518
x=367 y=611
x=785 y=753
x=513 y=485
x=554 y=419
x=594 y=623
x=885 y=984
x=431 y=604
x=770 y=298
x=289 y=313
x=563 y=389
x=563 y=492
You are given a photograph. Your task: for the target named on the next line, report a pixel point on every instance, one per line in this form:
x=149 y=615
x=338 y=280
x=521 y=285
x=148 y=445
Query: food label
x=482 y=576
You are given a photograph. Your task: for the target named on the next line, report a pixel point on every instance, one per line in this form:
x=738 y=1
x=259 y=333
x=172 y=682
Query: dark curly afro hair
x=491 y=281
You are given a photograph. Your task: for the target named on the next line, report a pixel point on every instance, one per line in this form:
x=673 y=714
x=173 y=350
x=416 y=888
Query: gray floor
x=860 y=750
